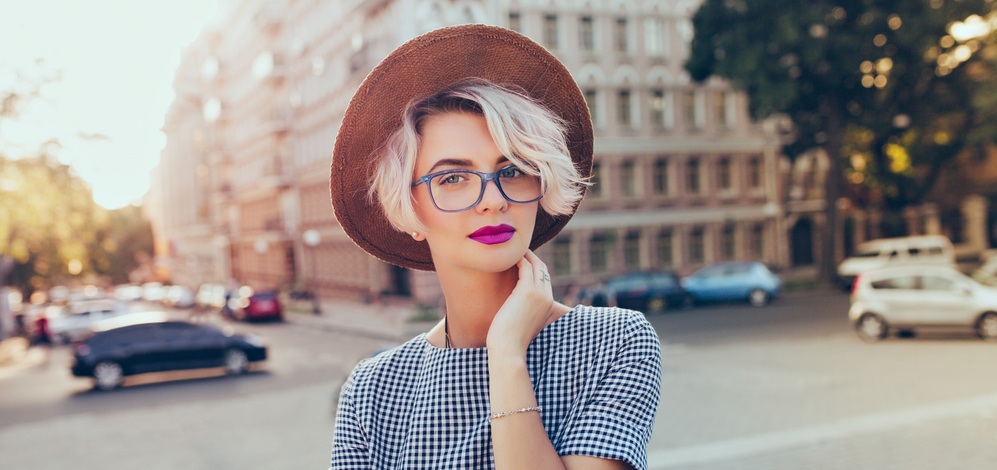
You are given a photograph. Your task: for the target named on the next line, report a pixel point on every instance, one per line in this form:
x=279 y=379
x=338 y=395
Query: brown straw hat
x=424 y=66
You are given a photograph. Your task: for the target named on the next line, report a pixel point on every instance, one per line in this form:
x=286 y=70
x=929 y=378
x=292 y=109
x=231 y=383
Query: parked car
x=179 y=297
x=651 y=291
x=150 y=342
x=76 y=318
x=902 y=299
x=153 y=292
x=211 y=297
x=128 y=292
x=987 y=272
x=249 y=305
x=920 y=249
x=733 y=281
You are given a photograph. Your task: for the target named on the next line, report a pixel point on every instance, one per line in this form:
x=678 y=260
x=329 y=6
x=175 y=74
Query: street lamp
x=312 y=239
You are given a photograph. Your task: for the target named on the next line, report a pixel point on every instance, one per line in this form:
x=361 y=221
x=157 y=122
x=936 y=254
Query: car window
x=894 y=254
x=664 y=280
x=901 y=282
x=736 y=269
x=914 y=251
x=935 y=250
x=937 y=283
x=866 y=254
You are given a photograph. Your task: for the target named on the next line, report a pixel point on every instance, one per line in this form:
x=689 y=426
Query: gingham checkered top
x=596 y=373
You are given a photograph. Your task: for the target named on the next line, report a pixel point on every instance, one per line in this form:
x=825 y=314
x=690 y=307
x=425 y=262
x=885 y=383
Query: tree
x=54 y=232
x=856 y=75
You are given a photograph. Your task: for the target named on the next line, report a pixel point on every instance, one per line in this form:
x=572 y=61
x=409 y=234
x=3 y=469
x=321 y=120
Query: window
x=758 y=241
x=692 y=176
x=658 y=108
x=621 y=41
x=727 y=242
x=937 y=283
x=654 y=37
x=595 y=189
x=600 y=248
x=697 y=246
x=590 y=100
x=666 y=256
x=550 y=31
x=624 y=108
x=720 y=103
x=586 y=34
x=723 y=174
x=660 y=177
x=562 y=255
x=902 y=282
x=631 y=251
x=755 y=172
x=689 y=109
x=628 y=179
x=514 y=23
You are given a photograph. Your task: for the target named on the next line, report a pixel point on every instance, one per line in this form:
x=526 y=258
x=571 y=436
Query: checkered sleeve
x=616 y=422
x=349 y=448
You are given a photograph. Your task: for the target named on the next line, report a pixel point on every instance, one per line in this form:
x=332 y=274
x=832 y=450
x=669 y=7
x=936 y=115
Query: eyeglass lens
x=460 y=190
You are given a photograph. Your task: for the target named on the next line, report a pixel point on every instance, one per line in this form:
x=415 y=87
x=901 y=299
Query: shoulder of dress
x=388 y=358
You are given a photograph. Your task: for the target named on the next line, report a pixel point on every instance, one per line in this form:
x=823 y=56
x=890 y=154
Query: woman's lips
x=492 y=235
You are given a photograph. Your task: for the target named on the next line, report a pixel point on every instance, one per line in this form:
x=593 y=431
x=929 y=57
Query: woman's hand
x=527 y=310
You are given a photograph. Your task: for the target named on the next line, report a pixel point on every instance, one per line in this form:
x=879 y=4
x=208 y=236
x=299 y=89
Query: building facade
x=683 y=177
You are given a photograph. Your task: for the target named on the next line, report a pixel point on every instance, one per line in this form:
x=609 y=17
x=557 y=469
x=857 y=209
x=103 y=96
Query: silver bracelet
x=528 y=409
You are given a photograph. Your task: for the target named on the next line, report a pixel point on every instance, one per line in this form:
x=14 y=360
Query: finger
x=540 y=268
x=526 y=271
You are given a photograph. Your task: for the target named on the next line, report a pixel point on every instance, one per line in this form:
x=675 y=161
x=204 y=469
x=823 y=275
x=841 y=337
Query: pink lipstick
x=492 y=235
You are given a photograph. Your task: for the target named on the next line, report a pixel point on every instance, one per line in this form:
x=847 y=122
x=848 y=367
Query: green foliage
x=49 y=223
x=871 y=82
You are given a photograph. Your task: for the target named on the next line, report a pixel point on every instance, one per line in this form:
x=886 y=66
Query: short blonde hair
x=527 y=133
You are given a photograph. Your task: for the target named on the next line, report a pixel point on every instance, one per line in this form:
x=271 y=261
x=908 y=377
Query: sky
x=115 y=60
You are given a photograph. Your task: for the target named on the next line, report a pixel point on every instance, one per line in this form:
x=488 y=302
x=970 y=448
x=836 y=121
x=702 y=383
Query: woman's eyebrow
x=450 y=162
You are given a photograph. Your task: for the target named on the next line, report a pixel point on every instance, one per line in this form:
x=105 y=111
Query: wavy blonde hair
x=527 y=133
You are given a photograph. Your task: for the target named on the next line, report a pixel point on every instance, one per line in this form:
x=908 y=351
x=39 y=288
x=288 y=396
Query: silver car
x=908 y=298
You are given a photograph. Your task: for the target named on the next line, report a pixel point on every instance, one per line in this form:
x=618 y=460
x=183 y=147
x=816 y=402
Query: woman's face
x=491 y=236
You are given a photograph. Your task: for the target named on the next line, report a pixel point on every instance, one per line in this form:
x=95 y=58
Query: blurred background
x=174 y=157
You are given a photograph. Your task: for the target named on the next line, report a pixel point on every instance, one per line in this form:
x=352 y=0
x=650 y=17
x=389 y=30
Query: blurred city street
x=781 y=387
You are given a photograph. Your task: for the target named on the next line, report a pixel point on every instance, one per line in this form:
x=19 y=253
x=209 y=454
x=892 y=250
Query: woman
x=463 y=151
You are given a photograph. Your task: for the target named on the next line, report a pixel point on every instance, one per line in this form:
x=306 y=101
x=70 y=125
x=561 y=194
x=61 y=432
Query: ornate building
x=683 y=177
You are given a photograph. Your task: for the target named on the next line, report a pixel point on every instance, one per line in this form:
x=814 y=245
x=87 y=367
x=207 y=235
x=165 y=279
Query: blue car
x=733 y=281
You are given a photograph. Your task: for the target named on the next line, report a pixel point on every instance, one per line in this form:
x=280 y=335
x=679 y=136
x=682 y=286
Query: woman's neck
x=472 y=300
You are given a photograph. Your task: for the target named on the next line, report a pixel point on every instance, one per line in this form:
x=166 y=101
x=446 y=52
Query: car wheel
x=871 y=327
x=108 y=375
x=986 y=327
x=656 y=304
x=758 y=298
x=235 y=362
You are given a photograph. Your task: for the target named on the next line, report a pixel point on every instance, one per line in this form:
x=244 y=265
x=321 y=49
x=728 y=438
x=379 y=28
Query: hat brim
x=422 y=67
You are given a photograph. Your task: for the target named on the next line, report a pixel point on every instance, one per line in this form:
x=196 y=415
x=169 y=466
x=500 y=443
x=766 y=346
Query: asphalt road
x=786 y=386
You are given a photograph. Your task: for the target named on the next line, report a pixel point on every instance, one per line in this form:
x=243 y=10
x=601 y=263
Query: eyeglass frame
x=485 y=178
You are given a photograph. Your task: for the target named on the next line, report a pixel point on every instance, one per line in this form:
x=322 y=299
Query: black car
x=649 y=291
x=152 y=343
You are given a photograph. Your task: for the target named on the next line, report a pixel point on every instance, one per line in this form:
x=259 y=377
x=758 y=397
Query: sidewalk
x=388 y=320
x=12 y=349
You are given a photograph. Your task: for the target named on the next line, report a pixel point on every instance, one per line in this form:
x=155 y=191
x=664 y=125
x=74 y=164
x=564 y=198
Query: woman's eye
x=510 y=172
x=452 y=178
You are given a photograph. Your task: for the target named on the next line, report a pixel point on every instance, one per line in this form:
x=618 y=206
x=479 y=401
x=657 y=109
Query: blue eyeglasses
x=460 y=190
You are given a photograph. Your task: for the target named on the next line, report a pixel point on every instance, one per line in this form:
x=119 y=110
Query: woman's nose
x=492 y=199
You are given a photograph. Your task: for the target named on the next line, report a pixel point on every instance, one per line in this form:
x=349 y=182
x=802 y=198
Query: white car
x=907 y=298
x=883 y=252
x=79 y=317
